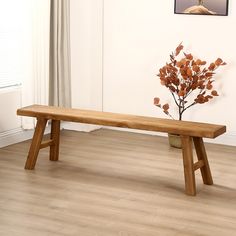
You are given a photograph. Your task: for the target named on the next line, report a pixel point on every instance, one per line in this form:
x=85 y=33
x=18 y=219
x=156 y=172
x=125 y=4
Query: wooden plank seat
x=190 y=133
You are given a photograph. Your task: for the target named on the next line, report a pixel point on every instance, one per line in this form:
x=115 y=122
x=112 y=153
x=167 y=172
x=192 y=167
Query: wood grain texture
x=36 y=144
x=110 y=183
x=55 y=136
x=189 y=175
x=202 y=156
x=199 y=164
x=46 y=143
x=124 y=120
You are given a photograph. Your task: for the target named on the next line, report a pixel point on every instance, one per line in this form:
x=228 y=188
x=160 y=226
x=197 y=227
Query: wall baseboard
x=225 y=139
x=19 y=135
x=16 y=136
x=79 y=127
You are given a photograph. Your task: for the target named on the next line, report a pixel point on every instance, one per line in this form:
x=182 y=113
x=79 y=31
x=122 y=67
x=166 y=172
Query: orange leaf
x=189 y=72
x=198 y=62
x=166 y=107
x=156 y=101
x=189 y=56
x=209 y=74
x=209 y=86
x=183 y=61
x=209 y=96
x=218 y=61
x=212 y=66
x=200 y=99
x=196 y=68
x=194 y=86
x=214 y=93
x=163 y=81
x=179 y=64
x=181 y=93
x=178 y=49
x=183 y=86
x=172 y=88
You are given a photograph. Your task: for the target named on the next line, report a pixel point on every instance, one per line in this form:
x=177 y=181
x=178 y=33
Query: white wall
x=86 y=56
x=15 y=61
x=138 y=37
x=86 y=53
x=10 y=101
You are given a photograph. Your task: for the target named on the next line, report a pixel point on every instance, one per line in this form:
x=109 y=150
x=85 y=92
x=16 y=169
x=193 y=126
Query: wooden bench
x=190 y=132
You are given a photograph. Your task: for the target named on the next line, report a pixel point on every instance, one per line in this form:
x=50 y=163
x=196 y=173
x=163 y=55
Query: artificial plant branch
x=186 y=76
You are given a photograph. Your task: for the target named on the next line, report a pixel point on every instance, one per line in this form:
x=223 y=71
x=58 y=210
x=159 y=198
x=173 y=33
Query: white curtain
x=48 y=78
x=41 y=19
x=35 y=87
x=60 y=73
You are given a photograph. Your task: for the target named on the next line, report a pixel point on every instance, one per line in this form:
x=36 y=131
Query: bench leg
x=55 y=137
x=35 y=145
x=187 y=150
x=202 y=156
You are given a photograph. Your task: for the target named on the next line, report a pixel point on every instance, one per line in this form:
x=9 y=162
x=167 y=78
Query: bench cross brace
x=38 y=144
x=190 y=167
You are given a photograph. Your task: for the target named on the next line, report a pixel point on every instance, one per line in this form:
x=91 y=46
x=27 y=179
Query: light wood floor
x=114 y=183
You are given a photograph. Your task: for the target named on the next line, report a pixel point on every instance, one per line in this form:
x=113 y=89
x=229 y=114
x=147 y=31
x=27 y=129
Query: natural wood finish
x=112 y=183
x=202 y=156
x=187 y=150
x=36 y=143
x=125 y=121
x=46 y=144
x=187 y=131
x=55 y=136
x=198 y=165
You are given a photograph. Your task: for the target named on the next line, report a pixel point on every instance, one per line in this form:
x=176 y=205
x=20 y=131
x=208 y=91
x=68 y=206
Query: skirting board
x=79 y=127
x=16 y=136
x=19 y=135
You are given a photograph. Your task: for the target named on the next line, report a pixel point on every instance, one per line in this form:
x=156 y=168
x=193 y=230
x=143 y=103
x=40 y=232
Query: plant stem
x=174 y=99
x=180 y=112
x=180 y=116
x=189 y=106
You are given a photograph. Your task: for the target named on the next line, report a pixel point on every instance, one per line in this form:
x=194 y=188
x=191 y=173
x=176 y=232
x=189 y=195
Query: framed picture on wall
x=202 y=7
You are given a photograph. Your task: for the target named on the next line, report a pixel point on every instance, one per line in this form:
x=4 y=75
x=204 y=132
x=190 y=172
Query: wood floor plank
x=110 y=183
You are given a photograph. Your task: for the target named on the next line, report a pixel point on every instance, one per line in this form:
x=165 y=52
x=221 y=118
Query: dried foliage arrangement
x=190 y=81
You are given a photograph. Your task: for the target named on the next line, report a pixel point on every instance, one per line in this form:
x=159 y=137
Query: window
x=14 y=38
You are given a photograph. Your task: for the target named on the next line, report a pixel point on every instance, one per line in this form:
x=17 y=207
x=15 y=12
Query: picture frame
x=202 y=7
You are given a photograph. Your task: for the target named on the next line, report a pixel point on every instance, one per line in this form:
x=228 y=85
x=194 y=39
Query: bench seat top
x=194 y=129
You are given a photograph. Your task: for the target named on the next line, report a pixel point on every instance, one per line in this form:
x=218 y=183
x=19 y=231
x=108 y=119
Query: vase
x=175 y=140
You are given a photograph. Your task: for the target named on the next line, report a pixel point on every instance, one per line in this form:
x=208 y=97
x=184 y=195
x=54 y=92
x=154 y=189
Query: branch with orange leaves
x=187 y=76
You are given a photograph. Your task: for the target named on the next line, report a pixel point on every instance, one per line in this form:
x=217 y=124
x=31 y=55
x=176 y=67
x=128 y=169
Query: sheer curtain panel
x=59 y=67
